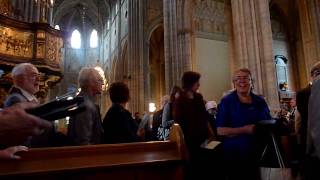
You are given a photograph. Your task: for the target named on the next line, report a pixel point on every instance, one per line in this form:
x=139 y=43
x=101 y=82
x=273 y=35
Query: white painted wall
x=212 y=61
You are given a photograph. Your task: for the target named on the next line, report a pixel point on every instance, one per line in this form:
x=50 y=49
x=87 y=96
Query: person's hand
x=10 y=153
x=249 y=129
x=16 y=125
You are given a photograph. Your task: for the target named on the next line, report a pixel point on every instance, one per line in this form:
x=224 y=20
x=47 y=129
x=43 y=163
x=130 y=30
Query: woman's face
x=195 y=86
x=176 y=95
x=242 y=82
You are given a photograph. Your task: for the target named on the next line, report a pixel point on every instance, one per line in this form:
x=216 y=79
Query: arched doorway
x=157 y=66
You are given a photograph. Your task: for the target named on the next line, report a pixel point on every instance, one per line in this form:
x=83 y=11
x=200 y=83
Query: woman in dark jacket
x=190 y=113
x=118 y=124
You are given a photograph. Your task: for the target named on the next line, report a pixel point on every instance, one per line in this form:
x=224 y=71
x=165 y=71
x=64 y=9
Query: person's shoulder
x=258 y=98
x=304 y=90
x=229 y=97
x=13 y=99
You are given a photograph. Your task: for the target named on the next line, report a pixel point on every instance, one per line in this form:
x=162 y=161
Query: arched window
x=94 y=39
x=57 y=27
x=76 y=39
x=281 y=71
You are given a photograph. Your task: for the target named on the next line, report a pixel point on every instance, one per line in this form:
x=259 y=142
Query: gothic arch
x=156 y=65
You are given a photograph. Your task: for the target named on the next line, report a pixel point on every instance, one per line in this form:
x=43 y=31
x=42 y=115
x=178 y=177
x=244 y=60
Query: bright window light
x=76 y=39
x=57 y=27
x=94 y=39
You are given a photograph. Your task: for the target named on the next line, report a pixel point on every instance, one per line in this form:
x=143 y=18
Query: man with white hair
x=86 y=128
x=25 y=84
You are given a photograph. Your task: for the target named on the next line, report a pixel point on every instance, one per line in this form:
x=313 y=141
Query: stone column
x=172 y=74
x=177 y=40
x=135 y=51
x=50 y=16
x=26 y=10
x=37 y=11
x=30 y=16
x=309 y=13
x=185 y=34
x=253 y=46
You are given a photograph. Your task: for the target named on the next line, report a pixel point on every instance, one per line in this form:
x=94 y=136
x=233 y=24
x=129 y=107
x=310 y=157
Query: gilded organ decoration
x=209 y=16
x=5 y=7
x=15 y=42
x=53 y=48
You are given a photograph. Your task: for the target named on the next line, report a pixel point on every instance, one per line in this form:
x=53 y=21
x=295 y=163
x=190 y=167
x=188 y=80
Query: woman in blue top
x=237 y=115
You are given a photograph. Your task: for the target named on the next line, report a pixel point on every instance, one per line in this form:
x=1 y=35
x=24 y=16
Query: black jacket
x=302 y=100
x=119 y=126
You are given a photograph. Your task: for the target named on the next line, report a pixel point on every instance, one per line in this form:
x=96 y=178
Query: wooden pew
x=136 y=161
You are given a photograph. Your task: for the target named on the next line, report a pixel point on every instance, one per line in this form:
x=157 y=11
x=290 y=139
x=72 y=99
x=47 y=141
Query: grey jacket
x=313 y=133
x=15 y=96
x=86 y=127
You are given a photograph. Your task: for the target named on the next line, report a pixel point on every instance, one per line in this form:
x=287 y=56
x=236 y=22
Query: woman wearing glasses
x=237 y=115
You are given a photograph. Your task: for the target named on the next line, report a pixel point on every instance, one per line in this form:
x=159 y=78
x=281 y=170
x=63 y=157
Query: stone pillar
x=178 y=38
x=135 y=51
x=30 y=16
x=26 y=10
x=37 y=11
x=253 y=46
x=170 y=44
x=185 y=34
x=309 y=13
x=50 y=16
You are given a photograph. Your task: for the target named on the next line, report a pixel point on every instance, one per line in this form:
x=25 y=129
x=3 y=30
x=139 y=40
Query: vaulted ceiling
x=71 y=14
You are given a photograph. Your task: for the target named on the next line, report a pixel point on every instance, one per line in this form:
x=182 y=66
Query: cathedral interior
x=149 y=44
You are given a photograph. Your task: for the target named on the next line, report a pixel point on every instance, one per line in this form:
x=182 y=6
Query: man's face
x=242 y=82
x=29 y=80
x=96 y=84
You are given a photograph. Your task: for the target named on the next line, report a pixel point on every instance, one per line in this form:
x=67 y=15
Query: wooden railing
x=145 y=160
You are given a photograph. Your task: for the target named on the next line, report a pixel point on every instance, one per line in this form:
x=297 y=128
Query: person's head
x=175 y=92
x=293 y=103
x=315 y=71
x=137 y=115
x=26 y=76
x=211 y=107
x=190 y=81
x=119 y=93
x=242 y=81
x=90 y=81
x=164 y=100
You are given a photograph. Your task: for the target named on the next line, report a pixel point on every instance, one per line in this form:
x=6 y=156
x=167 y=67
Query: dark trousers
x=311 y=168
x=205 y=164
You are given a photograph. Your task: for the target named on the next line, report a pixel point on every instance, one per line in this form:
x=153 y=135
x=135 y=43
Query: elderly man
x=26 y=84
x=86 y=128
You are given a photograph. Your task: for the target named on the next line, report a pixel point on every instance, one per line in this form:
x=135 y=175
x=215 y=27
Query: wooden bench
x=144 y=160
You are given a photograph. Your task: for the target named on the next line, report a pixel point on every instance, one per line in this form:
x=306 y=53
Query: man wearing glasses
x=25 y=84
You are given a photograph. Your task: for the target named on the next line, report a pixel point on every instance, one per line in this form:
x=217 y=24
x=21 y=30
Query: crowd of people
x=235 y=121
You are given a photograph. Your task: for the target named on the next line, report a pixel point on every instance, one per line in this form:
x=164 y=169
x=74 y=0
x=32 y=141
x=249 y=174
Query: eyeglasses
x=242 y=79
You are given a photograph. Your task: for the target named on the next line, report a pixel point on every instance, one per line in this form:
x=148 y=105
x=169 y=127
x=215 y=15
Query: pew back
x=143 y=160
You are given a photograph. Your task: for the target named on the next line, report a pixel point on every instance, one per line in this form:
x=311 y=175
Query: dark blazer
x=119 y=126
x=15 y=96
x=302 y=100
x=193 y=118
